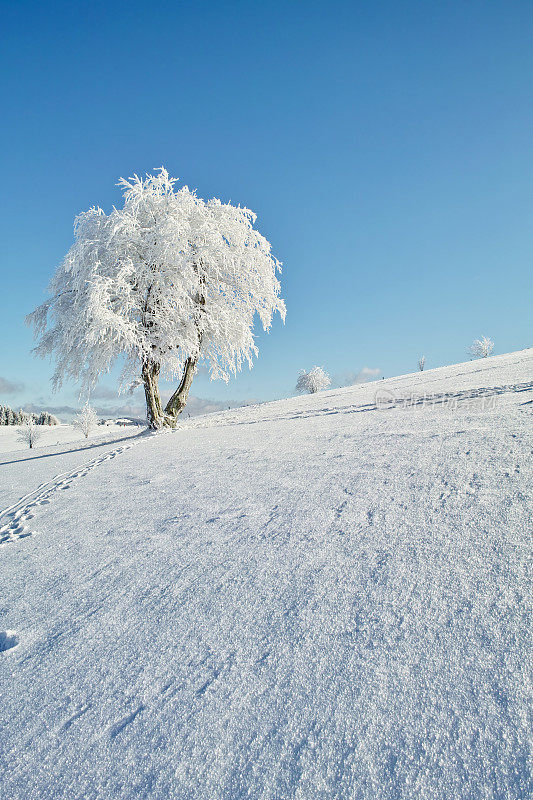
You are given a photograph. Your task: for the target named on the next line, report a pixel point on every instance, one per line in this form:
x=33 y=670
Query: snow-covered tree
x=165 y=281
x=45 y=418
x=10 y=417
x=313 y=381
x=86 y=420
x=29 y=433
x=421 y=363
x=482 y=348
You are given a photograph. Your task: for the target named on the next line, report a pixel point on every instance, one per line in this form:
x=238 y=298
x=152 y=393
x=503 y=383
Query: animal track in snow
x=8 y=640
x=15 y=517
x=119 y=726
x=74 y=717
x=339 y=510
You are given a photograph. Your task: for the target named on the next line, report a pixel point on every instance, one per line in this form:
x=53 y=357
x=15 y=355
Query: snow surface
x=322 y=597
x=23 y=470
x=54 y=435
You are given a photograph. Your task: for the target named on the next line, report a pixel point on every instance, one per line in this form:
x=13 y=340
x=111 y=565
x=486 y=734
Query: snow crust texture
x=324 y=597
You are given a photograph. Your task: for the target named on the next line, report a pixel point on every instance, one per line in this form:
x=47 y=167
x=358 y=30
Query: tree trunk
x=157 y=418
x=154 y=410
x=177 y=402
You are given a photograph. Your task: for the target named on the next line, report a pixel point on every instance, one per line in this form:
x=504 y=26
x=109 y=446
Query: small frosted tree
x=29 y=432
x=421 y=363
x=86 y=420
x=482 y=348
x=45 y=418
x=313 y=381
x=165 y=282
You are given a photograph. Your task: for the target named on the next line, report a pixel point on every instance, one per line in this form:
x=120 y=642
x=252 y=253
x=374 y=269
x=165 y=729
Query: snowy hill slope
x=24 y=470
x=323 y=597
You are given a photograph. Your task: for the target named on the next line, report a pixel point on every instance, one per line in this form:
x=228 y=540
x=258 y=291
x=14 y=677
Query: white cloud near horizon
x=364 y=375
x=103 y=393
x=10 y=387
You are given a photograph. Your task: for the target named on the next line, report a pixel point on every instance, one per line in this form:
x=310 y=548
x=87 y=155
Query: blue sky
x=385 y=146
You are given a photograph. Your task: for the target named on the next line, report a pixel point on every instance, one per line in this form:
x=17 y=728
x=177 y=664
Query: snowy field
x=60 y=449
x=322 y=597
x=53 y=438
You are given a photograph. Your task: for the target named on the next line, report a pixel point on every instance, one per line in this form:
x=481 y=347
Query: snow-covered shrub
x=313 y=381
x=421 y=363
x=482 y=348
x=29 y=432
x=165 y=281
x=86 y=420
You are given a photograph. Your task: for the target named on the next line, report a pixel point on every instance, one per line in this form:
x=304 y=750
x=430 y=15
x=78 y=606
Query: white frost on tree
x=421 y=363
x=29 y=432
x=313 y=381
x=86 y=420
x=165 y=281
x=482 y=348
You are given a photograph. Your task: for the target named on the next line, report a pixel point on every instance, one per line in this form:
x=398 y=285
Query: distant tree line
x=10 y=417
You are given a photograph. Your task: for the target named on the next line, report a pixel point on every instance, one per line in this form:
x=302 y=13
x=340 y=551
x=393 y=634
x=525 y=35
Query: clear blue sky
x=386 y=147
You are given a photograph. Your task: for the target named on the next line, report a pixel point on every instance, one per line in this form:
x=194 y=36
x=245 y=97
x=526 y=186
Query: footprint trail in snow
x=14 y=519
